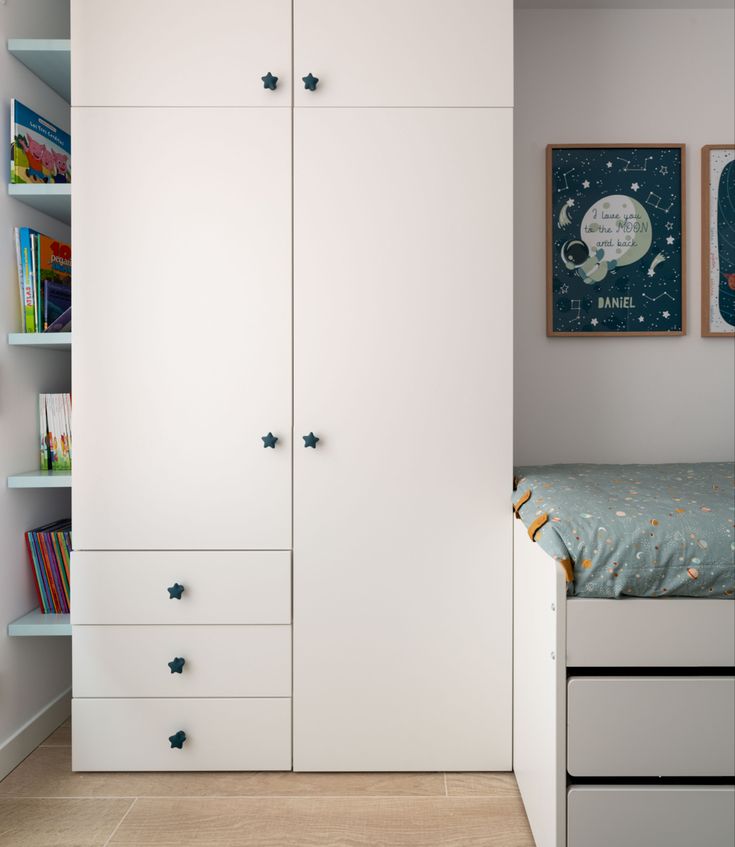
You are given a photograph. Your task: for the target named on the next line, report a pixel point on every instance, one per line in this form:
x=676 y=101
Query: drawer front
x=651 y=726
x=651 y=816
x=616 y=633
x=219 y=661
x=221 y=734
x=116 y=587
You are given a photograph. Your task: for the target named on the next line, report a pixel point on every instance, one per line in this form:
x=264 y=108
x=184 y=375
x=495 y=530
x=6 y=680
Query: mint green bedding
x=635 y=530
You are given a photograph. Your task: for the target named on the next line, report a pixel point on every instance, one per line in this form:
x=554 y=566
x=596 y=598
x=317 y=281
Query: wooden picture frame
x=615 y=271
x=714 y=322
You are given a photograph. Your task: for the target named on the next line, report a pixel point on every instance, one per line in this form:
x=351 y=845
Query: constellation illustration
x=655 y=201
x=565 y=187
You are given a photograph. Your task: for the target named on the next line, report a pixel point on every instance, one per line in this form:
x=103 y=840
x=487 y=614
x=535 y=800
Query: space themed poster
x=615 y=240
x=718 y=240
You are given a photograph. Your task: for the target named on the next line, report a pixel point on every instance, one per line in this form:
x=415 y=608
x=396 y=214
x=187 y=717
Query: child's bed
x=624 y=703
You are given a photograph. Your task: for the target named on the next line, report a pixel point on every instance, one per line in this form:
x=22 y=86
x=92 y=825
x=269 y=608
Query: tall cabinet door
x=402 y=533
x=182 y=328
x=181 y=53
x=404 y=52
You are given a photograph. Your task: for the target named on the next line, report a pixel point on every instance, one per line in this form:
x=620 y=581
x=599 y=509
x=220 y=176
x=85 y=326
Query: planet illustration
x=693 y=573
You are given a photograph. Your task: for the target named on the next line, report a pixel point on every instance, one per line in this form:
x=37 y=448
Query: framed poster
x=615 y=239
x=718 y=240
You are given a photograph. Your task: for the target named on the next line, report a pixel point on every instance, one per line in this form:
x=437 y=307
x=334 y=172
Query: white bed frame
x=553 y=636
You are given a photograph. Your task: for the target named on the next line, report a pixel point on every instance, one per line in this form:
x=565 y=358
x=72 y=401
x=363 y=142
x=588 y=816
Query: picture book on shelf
x=54 y=418
x=40 y=152
x=44 y=281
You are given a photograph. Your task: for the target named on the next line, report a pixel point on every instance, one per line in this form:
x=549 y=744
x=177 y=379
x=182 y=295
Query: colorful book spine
x=28 y=281
x=49 y=548
x=21 y=282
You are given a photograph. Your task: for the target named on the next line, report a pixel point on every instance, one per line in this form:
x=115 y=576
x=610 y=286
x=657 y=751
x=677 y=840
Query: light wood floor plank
x=59 y=823
x=326 y=822
x=481 y=785
x=47 y=773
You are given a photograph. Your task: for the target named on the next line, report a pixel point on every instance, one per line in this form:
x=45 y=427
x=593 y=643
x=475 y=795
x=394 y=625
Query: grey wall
x=618 y=76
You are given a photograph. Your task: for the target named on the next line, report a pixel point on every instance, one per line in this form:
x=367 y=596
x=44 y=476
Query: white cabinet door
x=182 y=329
x=404 y=52
x=181 y=53
x=402 y=527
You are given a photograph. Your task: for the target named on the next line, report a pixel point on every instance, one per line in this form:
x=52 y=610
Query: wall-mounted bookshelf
x=35 y=623
x=53 y=199
x=42 y=340
x=48 y=58
x=40 y=479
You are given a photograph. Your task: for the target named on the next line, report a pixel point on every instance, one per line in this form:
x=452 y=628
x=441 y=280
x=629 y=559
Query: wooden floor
x=44 y=804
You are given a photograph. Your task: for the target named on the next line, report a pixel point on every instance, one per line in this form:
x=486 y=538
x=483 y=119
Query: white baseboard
x=33 y=732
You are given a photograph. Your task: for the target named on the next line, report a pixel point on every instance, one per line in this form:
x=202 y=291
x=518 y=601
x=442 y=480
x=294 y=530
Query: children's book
x=44 y=281
x=40 y=151
x=54 y=416
x=53 y=279
x=21 y=282
x=49 y=547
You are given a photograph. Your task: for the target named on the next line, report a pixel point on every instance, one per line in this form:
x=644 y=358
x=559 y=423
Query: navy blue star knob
x=270 y=81
x=310 y=440
x=177 y=665
x=269 y=440
x=310 y=82
x=177 y=740
x=175 y=591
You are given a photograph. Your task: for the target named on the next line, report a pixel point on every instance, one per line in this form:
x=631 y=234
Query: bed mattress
x=634 y=530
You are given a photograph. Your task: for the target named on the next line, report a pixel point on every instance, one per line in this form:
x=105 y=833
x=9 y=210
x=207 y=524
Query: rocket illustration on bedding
x=615 y=251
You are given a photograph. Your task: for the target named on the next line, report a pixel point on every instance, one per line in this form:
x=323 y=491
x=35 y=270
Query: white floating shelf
x=36 y=623
x=48 y=58
x=44 y=340
x=40 y=479
x=53 y=199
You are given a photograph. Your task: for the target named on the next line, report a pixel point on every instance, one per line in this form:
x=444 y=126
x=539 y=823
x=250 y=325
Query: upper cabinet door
x=180 y=52
x=404 y=52
x=182 y=329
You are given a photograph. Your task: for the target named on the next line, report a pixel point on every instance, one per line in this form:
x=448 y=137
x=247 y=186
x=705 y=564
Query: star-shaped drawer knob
x=177 y=664
x=269 y=440
x=310 y=81
x=177 y=739
x=269 y=81
x=175 y=591
x=310 y=440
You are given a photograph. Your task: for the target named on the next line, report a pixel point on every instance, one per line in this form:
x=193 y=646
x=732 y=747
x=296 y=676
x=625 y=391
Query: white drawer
x=219 y=661
x=227 y=734
x=651 y=816
x=651 y=726
x=219 y=587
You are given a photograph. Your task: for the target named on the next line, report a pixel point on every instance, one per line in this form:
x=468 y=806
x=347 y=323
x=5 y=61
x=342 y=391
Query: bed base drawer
x=645 y=726
x=181 y=661
x=689 y=633
x=651 y=816
x=221 y=734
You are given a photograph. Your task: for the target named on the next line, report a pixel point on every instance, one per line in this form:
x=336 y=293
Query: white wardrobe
x=292 y=384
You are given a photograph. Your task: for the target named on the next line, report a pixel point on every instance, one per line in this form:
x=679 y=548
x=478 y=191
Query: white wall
x=618 y=76
x=33 y=671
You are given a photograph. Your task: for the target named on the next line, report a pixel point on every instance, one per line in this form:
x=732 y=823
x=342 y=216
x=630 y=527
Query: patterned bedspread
x=637 y=530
